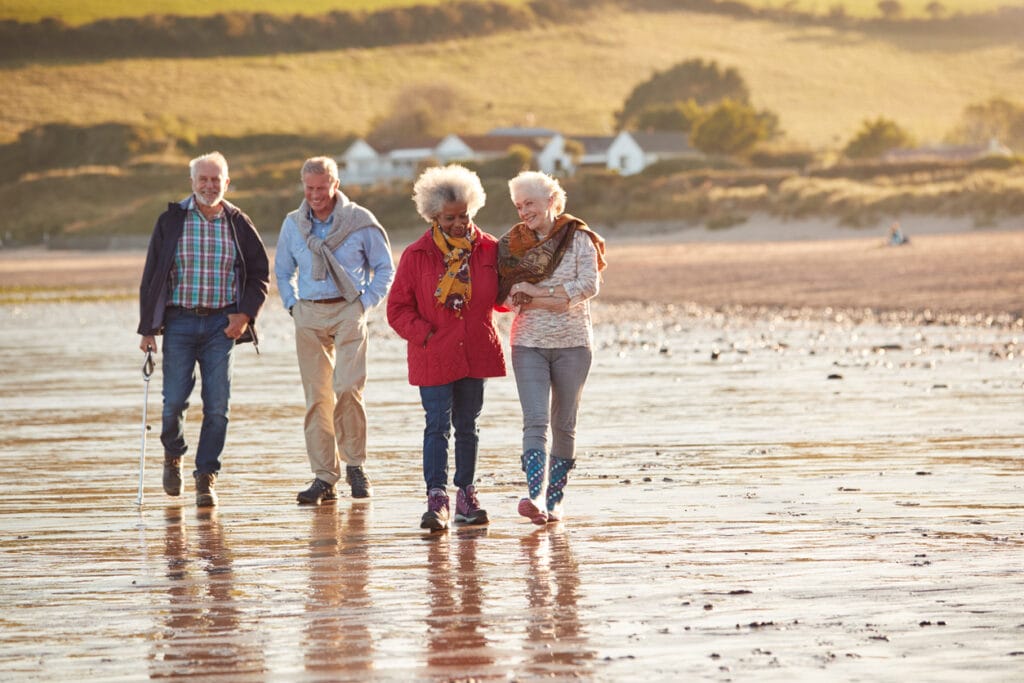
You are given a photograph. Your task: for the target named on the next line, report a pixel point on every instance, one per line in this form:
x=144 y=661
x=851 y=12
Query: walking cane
x=147 y=372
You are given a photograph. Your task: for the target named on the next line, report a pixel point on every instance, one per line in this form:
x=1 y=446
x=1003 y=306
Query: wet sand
x=780 y=492
x=963 y=271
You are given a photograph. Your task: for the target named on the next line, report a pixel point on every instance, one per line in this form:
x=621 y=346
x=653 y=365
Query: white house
x=631 y=152
x=452 y=148
x=626 y=153
x=553 y=158
x=359 y=164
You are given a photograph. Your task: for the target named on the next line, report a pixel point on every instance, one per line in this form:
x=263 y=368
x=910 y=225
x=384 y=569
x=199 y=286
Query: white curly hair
x=440 y=185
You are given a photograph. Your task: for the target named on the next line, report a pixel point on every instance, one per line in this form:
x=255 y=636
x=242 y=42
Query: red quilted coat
x=460 y=347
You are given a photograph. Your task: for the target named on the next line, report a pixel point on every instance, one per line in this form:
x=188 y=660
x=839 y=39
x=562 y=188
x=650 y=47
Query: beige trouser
x=330 y=341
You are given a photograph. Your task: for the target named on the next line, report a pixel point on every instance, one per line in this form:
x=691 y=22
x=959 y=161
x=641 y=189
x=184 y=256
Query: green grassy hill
x=268 y=112
x=822 y=82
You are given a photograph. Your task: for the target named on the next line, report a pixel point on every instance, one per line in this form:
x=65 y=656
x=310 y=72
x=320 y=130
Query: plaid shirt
x=204 y=264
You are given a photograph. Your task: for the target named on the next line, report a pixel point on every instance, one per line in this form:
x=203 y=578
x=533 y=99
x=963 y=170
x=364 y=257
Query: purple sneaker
x=467 y=507
x=436 y=516
x=527 y=508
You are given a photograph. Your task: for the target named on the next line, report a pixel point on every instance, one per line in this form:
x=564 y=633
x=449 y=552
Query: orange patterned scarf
x=522 y=257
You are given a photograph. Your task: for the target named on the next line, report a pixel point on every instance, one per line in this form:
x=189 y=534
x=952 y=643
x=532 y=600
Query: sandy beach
x=947 y=268
x=799 y=461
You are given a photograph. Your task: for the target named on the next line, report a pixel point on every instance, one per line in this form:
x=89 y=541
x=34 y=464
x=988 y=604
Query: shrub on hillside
x=890 y=9
x=732 y=128
x=674 y=116
x=997 y=119
x=704 y=82
x=876 y=137
x=420 y=112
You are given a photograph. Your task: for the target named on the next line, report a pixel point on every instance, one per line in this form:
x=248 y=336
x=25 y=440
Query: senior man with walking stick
x=204 y=282
x=333 y=264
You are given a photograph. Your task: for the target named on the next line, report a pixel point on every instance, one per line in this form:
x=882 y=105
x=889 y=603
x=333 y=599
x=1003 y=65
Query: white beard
x=215 y=202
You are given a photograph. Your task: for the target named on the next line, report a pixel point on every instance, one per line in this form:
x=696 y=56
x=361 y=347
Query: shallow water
x=735 y=514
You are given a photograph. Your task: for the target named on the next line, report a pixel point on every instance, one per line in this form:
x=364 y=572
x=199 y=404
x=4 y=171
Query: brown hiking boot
x=359 y=482
x=172 y=475
x=206 y=497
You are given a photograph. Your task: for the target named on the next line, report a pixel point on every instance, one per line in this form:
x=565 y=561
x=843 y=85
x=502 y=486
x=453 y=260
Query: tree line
x=251 y=33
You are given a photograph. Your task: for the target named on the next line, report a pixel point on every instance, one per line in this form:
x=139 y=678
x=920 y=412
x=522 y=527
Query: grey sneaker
x=172 y=475
x=360 y=483
x=319 y=491
x=436 y=516
x=206 y=497
x=467 y=507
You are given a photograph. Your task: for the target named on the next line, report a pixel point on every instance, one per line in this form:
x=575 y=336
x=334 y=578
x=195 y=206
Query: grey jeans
x=550 y=384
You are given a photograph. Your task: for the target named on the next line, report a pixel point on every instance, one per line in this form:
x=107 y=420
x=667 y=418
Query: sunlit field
x=823 y=83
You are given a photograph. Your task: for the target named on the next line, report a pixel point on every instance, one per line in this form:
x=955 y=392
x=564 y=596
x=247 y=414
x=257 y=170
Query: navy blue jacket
x=252 y=269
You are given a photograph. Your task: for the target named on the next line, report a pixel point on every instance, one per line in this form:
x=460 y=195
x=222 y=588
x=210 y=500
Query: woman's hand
x=536 y=291
x=528 y=289
x=555 y=304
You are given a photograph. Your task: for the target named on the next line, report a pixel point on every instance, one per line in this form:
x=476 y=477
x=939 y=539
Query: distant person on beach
x=333 y=264
x=548 y=270
x=204 y=282
x=896 y=236
x=442 y=304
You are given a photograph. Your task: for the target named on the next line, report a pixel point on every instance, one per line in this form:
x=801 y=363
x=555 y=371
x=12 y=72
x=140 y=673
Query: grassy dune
x=823 y=83
x=76 y=13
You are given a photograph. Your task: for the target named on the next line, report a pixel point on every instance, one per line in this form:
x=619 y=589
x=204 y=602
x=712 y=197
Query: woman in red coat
x=442 y=304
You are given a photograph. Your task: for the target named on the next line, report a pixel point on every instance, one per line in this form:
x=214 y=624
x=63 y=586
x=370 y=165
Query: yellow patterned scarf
x=454 y=289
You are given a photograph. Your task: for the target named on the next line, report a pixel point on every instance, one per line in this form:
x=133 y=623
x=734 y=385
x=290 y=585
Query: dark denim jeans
x=458 y=404
x=190 y=339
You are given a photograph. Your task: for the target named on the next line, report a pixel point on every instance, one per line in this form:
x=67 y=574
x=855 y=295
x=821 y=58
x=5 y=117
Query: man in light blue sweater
x=333 y=264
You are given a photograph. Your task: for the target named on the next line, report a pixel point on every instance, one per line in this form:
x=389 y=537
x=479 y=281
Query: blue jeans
x=190 y=339
x=458 y=404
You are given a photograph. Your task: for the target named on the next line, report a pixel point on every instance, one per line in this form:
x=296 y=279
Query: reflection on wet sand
x=556 y=642
x=202 y=634
x=771 y=499
x=338 y=607
x=456 y=630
